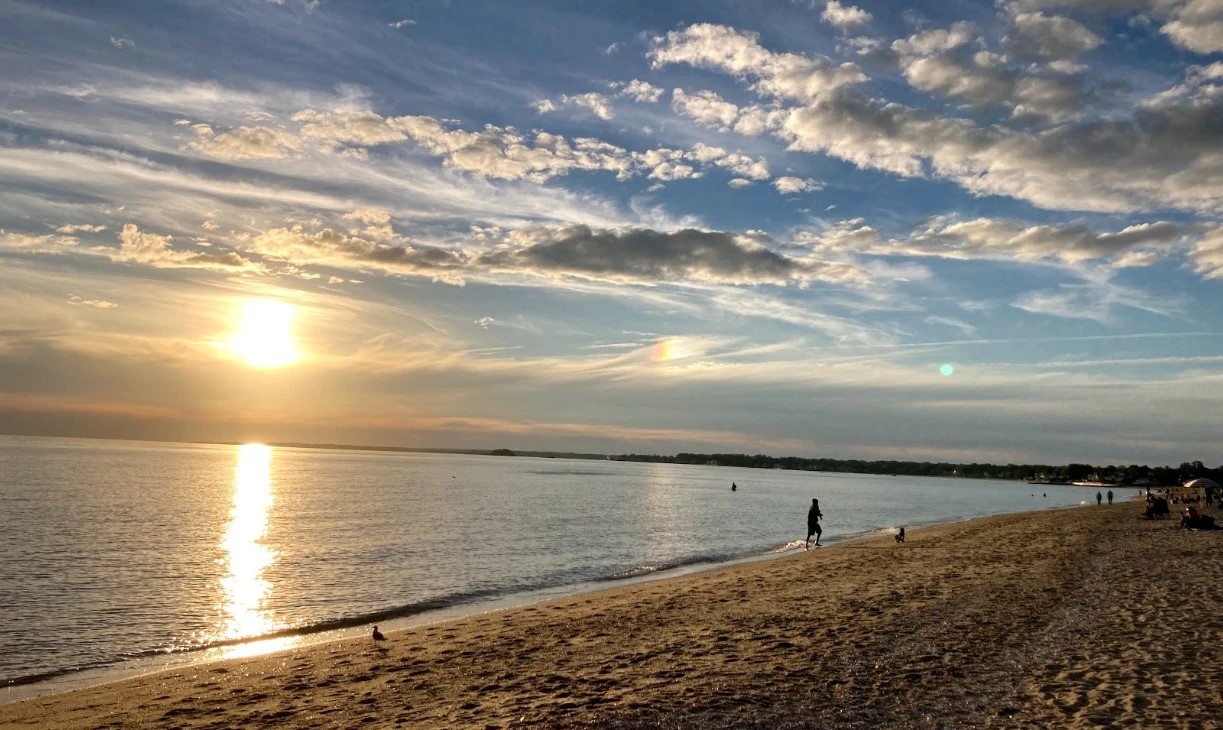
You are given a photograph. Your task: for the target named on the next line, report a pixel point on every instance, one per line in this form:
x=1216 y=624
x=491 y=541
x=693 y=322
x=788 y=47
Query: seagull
x=378 y=635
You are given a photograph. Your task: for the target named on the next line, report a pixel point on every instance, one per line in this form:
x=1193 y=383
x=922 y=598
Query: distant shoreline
x=790 y=463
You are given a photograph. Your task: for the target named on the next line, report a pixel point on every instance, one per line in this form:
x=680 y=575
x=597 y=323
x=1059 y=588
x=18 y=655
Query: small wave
x=792 y=545
x=572 y=472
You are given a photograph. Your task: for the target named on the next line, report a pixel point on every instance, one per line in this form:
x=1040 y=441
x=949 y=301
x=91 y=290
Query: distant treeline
x=1132 y=474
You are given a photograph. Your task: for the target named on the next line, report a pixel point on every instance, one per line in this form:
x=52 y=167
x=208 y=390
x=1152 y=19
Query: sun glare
x=264 y=338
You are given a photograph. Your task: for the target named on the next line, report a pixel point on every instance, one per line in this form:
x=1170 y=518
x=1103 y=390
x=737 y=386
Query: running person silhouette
x=813 y=523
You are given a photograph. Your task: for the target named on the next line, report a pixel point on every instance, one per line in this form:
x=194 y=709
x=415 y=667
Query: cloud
x=1097 y=299
x=782 y=75
x=705 y=107
x=1163 y=157
x=651 y=257
x=69 y=229
x=298 y=244
x=794 y=185
x=949 y=237
x=711 y=110
x=340 y=128
x=46 y=243
x=736 y=162
x=1207 y=255
x=244 y=143
x=406 y=22
x=844 y=17
x=544 y=106
x=597 y=104
x=122 y=42
x=965 y=329
x=95 y=303
x=1196 y=25
x=639 y=90
x=1051 y=37
x=953 y=63
x=150 y=249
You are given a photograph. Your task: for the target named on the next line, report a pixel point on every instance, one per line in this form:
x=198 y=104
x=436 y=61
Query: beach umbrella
x=1200 y=483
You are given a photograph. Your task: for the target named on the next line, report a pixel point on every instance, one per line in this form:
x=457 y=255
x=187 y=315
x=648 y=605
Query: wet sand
x=1084 y=617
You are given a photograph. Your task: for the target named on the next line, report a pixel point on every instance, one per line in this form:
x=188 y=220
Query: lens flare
x=946 y=369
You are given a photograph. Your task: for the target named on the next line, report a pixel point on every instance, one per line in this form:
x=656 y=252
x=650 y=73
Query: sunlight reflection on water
x=247 y=556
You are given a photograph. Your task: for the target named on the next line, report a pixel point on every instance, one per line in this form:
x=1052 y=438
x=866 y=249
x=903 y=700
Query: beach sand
x=1084 y=617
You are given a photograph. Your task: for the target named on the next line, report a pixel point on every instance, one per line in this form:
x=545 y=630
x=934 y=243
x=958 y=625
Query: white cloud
x=1109 y=164
x=47 y=243
x=154 y=250
x=737 y=162
x=965 y=329
x=406 y=22
x=69 y=229
x=794 y=185
x=954 y=63
x=1196 y=25
x=844 y=17
x=1207 y=256
x=544 y=106
x=639 y=90
x=95 y=303
x=782 y=75
x=949 y=237
x=1051 y=37
x=705 y=107
x=338 y=128
x=597 y=104
x=711 y=110
x=122 y=42
x=244 y=143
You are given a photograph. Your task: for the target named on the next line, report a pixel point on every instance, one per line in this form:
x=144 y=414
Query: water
x=113 y=552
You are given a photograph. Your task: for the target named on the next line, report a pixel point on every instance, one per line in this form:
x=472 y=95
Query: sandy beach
x=1084 y=617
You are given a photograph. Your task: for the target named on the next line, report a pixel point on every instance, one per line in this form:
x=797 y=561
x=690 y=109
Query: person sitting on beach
x=1191 y=519
x=900 y=536
x=813 y=523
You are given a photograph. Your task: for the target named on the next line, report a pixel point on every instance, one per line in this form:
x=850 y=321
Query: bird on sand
x=378 y=635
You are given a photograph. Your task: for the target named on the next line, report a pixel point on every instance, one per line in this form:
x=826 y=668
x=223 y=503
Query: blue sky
x=649 y=227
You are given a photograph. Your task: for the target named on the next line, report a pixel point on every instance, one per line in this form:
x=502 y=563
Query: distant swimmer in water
x=378 y=635
x=733 y=487
x=813 y=523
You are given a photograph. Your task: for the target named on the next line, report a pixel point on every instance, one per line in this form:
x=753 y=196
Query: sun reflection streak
x=246 y=555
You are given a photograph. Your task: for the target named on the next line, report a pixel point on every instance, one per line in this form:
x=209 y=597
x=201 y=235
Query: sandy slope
x=1085 y=617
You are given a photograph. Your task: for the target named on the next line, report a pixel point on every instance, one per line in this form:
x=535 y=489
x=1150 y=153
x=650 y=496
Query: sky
x=929 y=231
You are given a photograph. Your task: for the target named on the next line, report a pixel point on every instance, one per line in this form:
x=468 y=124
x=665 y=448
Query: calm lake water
x=115 y=554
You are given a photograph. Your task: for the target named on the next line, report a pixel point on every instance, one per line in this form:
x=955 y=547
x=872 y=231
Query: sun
x=264 y=338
